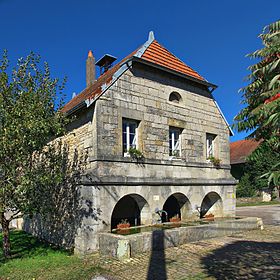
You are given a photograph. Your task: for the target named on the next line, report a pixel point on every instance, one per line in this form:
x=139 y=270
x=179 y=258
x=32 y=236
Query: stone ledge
x=90 y=179
x=172 y=162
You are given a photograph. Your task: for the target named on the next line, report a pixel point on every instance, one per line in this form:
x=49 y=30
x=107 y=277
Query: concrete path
x=270 y=213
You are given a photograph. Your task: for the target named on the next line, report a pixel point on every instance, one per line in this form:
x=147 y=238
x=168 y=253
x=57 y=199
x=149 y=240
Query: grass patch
x=33 y=259
x=257 y=203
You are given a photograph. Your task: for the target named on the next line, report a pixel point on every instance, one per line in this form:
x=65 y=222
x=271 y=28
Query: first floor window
x=129 y=131
x=175 y=141
x=210 y=145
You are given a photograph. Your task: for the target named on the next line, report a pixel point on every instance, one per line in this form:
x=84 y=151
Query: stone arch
x=212 y=204
x=175 y=97
x=132 y=207
x=177 y=204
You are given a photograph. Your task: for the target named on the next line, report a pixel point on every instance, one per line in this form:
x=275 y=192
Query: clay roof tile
x=241 y=149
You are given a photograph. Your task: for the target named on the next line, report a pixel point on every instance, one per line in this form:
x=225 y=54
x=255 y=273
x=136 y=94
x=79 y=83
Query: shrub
x=245 y=188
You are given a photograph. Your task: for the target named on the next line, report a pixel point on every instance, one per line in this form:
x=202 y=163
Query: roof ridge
x=146 y=45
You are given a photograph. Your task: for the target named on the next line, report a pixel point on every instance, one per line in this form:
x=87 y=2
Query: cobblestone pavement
x=249 y=255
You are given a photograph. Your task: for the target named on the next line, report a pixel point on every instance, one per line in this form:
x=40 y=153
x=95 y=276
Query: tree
x=30 y=116
x=261 y=116
x=262 y=159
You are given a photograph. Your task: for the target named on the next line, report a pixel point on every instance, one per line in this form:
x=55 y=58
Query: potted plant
x=216 y=161
x=175 y=219
x=135 y=154
x=124 y=224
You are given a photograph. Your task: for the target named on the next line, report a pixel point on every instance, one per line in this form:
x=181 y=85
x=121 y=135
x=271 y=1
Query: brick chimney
x=90 y=69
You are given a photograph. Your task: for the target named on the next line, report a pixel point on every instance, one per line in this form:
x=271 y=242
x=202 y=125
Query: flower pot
x=209 y=217
x=123 y=226
x=175 y=220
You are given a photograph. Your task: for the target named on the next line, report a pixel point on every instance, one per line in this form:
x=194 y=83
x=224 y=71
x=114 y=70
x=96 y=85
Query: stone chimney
x=90 y=69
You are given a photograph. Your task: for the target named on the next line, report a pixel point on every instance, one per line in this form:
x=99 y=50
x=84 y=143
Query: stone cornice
x=91 y=179
x=146 y=161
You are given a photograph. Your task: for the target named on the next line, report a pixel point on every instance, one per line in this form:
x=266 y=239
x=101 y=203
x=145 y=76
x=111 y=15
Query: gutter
x=123 y=67
x=88 y=102
x=76 y=108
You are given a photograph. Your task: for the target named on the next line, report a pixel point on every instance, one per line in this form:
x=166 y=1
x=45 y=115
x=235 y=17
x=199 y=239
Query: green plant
x=176 y=153
x=215 y=161
x=135 y=154
x=261 y=114
x=30 y=116
x=124 y=221
x=246 y=187
x=264 y=158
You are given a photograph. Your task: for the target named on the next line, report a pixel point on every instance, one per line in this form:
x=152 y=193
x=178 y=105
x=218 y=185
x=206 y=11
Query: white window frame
x=135 y=139
x=175 y=147
x=210 y=145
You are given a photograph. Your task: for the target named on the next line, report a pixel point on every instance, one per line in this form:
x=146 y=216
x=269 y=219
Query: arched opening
x=133 y=207
x=175 y=97
x=176 y=205
x=212 y=204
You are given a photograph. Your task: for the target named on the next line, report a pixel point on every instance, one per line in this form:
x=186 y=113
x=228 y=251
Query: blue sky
x=212 y=37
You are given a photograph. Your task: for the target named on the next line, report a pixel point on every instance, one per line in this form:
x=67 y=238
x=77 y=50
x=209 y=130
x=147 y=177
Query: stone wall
x=143 y=95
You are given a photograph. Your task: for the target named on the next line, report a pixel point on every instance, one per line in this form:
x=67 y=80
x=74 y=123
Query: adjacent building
x=239 y=151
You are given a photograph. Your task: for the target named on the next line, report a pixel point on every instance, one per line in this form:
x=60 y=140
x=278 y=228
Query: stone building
x=155 y=139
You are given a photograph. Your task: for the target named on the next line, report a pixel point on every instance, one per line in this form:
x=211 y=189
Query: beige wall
x=143 y=96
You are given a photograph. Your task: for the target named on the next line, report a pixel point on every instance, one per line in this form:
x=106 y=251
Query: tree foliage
x=261 y=115
x=30 y=116
x=262 y=159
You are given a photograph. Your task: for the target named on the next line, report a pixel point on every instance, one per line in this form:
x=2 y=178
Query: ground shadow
x=25 y=245
x=157 y=265
x=60 y=206
x=244 y=260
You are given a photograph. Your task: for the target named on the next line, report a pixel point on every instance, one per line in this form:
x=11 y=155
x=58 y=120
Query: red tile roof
x=240 y=150
x=158 y=54
x=154 y=53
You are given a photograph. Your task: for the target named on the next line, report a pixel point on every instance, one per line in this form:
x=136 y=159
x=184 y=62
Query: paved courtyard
x=249 y=255
x=270 y=213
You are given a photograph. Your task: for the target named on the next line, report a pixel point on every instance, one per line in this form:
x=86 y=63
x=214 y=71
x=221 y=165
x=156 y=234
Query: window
x=175 y=97
x=129 y=131
x=210 y=145
x=175 y=141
